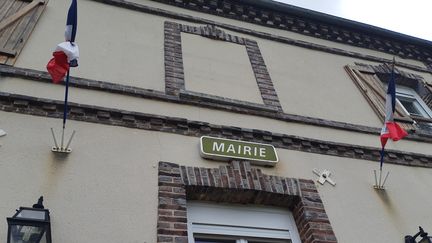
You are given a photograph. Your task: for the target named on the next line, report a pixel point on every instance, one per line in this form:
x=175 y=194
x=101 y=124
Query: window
x=412 y=103
x=224 y=223
x=412 y=111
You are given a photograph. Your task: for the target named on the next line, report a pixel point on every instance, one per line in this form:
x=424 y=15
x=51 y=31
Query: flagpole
x=65 y=107
x=390 y=129
x=65 y=56
x=381 y=165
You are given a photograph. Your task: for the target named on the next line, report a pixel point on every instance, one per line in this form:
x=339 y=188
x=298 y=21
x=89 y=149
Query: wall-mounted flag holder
x=379 y=183
x=2 y=133
x=62 y=149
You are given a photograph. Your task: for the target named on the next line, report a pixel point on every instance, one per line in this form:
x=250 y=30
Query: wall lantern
x=30 y=225
x=424 y=237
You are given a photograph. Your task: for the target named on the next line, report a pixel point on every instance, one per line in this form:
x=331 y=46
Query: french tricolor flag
x=66 y=54
x=390 y=129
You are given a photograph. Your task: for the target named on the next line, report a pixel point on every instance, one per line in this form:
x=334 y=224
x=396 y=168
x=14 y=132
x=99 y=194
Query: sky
x=413 y=19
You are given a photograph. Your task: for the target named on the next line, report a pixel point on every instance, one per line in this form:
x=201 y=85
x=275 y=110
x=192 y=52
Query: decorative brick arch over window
x=237 y=183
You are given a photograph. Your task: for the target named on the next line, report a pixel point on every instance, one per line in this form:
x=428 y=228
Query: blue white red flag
x=71 y=22
x=66 y=54
x=390 y=129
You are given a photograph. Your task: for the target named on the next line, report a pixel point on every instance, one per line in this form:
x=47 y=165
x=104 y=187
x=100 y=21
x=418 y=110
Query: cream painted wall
x=106 y=189
x=218 y=68
x=314 y=84
x=126 y=51
x=291 y=68
x=357 y=212
x=91 y=97
x=116 y=45
x=278 y=32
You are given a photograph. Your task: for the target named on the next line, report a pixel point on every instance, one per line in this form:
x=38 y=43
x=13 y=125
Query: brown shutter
x=17 y=20
x=372 y=88
x=427 y=98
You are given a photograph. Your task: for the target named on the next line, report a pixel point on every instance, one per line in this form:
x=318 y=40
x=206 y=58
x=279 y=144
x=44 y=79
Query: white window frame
x=410 y=94
x=240 y=223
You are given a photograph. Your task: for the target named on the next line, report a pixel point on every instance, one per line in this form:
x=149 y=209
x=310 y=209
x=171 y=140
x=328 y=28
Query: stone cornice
x=116 y=117
x=259 y=34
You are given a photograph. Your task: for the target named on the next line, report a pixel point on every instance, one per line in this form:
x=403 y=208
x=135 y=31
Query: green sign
x=226 y=149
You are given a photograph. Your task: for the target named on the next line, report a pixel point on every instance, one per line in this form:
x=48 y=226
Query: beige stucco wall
x=278 y=32
x=106 y=189
x=315 y=84
x=103 y=99
x=218 y=68
x=116 y=45
x=130 y=52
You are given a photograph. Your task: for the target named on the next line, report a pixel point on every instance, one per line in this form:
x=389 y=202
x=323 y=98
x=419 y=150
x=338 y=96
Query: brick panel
x=174 y=70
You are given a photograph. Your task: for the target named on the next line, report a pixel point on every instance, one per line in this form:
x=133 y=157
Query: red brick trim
x=174 y=70
x=237 y=183
x=116 y=117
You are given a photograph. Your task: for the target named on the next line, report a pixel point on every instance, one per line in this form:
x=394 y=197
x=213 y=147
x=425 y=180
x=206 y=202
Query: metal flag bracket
x=61 y=149
x=379 y=183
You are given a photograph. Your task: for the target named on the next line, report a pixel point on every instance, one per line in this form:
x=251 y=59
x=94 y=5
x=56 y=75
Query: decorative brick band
x=321 y=27
x=151 y=10
x=202 y=100
x=116 y=117
x=237 y=183
x=174 y=70
x=188 y=97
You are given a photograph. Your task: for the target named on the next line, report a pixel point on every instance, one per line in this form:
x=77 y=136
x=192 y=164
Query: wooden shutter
x=374 y=92
x=427 y=98
x=17 y=20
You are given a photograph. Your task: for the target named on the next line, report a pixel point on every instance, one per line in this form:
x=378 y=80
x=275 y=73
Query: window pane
x=213 y=241
x=411 y=107
x=270 y=241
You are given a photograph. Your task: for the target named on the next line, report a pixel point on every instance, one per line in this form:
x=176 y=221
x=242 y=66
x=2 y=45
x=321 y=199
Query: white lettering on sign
x=239 y=149
x=262 y=152
x=247 y=150
x=228 y=149
x=231 y=148
x=220 y=148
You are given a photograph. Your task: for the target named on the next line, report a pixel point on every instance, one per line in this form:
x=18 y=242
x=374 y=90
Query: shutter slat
x=5 y=33
x=18 y=19
x=23 y=10
x=427 y=98
x=20 y=29
x=374 y=96
x=6 y=52
x=4 y=10
x=372 y=89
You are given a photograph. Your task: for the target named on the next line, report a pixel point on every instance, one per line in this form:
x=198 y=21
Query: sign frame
x=231 y=157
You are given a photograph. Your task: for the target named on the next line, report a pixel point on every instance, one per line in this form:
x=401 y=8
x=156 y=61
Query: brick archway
x=237 y=182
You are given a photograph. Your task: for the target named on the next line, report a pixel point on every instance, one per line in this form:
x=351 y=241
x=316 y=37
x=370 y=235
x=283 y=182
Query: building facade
x=156 y=76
